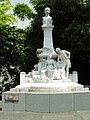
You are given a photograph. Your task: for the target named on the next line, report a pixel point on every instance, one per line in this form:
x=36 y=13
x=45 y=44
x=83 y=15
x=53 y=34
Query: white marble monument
x=51 y=73
x=49 y=85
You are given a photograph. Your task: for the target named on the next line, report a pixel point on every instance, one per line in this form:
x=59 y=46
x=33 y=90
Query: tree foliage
x=23 y=11
x=12 y=55
x=11 y=45
x=5 y=16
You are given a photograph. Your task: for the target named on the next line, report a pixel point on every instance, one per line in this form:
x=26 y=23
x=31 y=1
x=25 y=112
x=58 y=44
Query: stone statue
x=47 y=20
x=49 y=62
x=38 y=51
x=64 y=58
x=43 y=75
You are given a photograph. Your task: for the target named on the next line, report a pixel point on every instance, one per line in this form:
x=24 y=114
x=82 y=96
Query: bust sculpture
x=47 y=20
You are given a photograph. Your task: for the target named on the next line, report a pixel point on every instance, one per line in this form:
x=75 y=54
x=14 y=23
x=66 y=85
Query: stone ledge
x=49 y=87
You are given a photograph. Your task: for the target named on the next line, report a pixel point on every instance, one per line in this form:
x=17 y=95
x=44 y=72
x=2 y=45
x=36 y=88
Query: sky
x=25 y=23
x=20 y=1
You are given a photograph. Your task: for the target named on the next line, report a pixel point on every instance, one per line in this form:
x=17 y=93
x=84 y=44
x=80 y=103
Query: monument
x=48 y=87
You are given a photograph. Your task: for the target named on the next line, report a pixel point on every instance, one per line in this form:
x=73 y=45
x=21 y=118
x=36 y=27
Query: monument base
x=50 y=86
x=46 y=102
x=47 y=97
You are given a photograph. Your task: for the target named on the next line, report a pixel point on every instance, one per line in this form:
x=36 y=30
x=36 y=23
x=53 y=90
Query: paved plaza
x=20 y=115
x=16 y=115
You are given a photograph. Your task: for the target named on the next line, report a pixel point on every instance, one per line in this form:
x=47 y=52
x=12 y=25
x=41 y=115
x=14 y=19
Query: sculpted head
x=47 y=11
x=58 y=50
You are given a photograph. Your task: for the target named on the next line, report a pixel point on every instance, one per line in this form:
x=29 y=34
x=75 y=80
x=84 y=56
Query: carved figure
x=43 y=75
x=64 y=57
x=47 y=20
x=49 y=62
x=38 y=52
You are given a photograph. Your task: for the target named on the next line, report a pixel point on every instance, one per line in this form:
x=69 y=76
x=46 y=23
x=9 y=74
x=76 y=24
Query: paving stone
x=84 y=114
x=16 y=115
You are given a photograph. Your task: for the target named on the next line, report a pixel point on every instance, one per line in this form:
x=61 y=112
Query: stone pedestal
x=53 y=96
x=48 y=42
x=46 y=102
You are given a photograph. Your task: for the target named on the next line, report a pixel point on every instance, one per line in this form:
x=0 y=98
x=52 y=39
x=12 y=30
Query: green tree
x=12 y=55
x=12 y=47
x=23 y=11
x=6 y=17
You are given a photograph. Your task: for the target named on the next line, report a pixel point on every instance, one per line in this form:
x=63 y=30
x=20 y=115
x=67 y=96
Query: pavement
x=24 y=115
x=17 y=115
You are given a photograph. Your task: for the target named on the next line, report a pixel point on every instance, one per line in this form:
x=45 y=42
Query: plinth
x=47 y=97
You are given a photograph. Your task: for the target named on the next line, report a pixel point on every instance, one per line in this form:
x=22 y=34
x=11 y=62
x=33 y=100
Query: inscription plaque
x=11 y=97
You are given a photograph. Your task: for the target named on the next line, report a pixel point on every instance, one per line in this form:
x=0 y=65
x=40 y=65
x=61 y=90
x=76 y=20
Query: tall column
x=47 y=27
x=48 y=41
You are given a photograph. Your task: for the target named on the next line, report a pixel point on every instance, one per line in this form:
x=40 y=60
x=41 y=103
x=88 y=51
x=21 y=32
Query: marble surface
x=51 y=86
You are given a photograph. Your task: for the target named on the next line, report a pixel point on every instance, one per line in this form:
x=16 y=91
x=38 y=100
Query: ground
x=77 y=115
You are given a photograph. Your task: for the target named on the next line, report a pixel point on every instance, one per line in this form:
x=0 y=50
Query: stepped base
x=51 y=86
x=54 y=96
